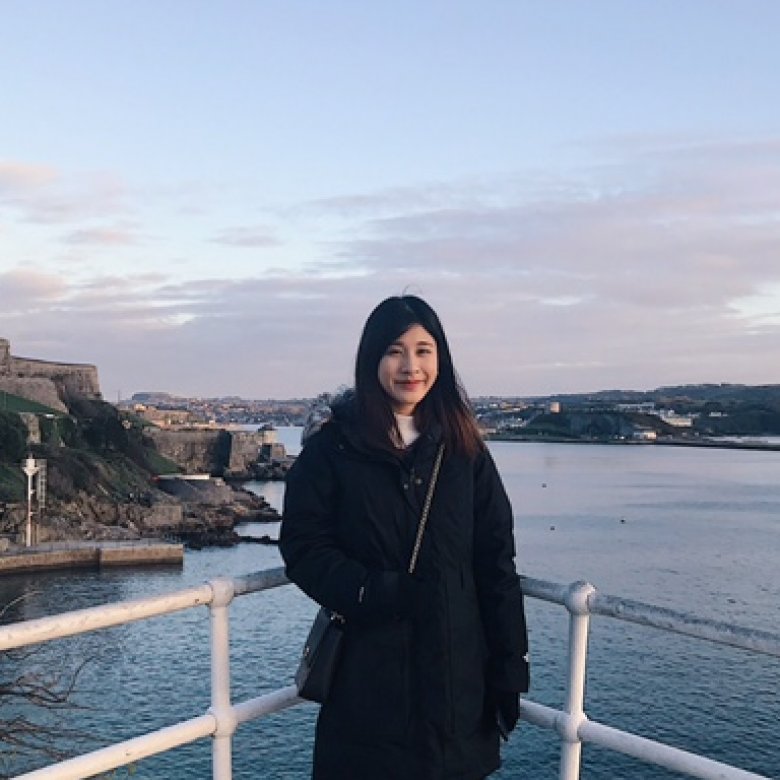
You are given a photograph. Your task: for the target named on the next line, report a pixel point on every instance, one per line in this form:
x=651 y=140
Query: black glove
x=507 y=710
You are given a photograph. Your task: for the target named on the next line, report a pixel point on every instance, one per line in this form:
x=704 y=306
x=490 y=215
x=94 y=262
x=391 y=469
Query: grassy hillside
x=12 y=483
x=94 y=449
x=15 y=403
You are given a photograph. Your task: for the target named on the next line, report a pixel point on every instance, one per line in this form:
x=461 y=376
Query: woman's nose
x=409 y=364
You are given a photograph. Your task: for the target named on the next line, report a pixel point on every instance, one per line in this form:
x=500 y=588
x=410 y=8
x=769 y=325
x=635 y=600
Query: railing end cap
x=577 y=597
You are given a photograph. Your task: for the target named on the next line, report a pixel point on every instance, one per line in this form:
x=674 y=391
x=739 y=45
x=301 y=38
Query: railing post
x=221 y=707
x=579 y=622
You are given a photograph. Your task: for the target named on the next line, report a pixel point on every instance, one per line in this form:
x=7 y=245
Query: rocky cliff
x=102 y=484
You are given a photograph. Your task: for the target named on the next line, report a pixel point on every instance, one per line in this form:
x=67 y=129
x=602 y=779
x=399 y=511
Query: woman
x=433 y=662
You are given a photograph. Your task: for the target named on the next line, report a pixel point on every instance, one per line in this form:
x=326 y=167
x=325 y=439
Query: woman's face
x=409 y=368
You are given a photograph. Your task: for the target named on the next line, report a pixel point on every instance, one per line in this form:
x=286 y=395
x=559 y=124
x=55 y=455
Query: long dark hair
x=445 y=404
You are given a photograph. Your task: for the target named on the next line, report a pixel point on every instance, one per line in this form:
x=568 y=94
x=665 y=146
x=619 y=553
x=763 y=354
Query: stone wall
x=195 y=451
x=5 y=356
x=75 y=380
x=46 y=382
x=42 y=391
x=209 y=451
x=244 y=449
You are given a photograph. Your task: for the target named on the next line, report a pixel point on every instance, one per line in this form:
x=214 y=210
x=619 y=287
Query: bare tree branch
x=33 y=703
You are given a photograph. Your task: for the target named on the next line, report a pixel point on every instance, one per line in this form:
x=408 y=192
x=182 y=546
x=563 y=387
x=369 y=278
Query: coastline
x=666 y=442
x=90 y=555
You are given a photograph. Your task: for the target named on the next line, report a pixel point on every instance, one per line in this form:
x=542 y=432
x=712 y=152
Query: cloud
x=101 y=237
x=23 y=291
x=244 y=237
x=46 y=196
x=656 y=265
x=16 y=177
x=700 y=231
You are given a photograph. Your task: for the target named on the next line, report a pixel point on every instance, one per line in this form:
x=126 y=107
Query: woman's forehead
x=415 y=334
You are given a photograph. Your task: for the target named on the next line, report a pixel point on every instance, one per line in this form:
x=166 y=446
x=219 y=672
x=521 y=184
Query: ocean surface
x=692 y=529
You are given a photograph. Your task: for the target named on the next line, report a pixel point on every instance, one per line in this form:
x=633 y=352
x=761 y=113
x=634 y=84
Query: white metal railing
x=223 y=717
x=582 y=600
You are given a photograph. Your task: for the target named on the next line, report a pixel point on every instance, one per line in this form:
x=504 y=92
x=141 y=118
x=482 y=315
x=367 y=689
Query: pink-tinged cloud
x=246 y=238
x=16 y=177
x=25 y=291
x=101 y=237
x=42 y=195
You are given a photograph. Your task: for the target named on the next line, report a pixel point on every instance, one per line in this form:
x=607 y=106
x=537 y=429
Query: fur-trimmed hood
x=328 y=406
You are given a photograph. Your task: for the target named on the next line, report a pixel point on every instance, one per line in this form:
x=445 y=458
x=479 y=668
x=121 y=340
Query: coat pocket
x=370 y=694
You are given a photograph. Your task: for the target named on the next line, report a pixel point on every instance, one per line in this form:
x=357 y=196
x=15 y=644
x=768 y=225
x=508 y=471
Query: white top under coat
x=407 y=429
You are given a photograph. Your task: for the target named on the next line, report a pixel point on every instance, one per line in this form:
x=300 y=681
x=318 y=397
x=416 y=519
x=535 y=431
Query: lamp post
x=30 y=468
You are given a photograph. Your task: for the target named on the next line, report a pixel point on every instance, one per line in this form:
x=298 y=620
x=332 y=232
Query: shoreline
x=90 y=555
x=703 y=443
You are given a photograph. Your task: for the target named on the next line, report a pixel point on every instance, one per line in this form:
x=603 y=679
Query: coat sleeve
x=309 y=544
x=498 y=585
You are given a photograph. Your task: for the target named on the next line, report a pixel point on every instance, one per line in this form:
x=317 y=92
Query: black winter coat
x=410 y=700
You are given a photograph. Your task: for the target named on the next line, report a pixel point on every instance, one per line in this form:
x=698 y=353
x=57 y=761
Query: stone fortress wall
x=211 y=450
x=46 y=382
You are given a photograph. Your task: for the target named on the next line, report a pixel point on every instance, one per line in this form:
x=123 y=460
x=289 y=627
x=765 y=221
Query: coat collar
x=338 y=411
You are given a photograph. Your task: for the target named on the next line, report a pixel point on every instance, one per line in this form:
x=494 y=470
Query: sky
x=208 y=199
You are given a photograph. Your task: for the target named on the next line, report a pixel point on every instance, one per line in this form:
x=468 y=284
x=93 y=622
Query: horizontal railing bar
x=540 y=714
x=123 y=753
x=666 y=619
x=658 y=753
x=259 y=580
x=81 y=621
x=547 y=591
x=644 y=749
x=759 y=641
x=162 y=740
x=264 y=705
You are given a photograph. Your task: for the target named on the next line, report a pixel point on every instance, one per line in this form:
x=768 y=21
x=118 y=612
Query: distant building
x=677 y=420
x=645 y=407
x=165 y=418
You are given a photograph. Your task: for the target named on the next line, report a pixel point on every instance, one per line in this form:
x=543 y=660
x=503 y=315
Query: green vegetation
x=15 y=403
x=735 y=419
x=13 y=435
x=13 y=448
x=94 y=449
x=159 y=464
x=12 y=483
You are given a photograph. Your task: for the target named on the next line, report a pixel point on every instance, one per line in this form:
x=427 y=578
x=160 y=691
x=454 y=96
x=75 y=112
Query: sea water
x=692 y=529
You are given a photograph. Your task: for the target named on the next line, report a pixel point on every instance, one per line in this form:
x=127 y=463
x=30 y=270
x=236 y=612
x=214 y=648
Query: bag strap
x=426 y=508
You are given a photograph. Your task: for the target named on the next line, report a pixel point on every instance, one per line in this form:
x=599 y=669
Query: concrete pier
x=90 y=555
